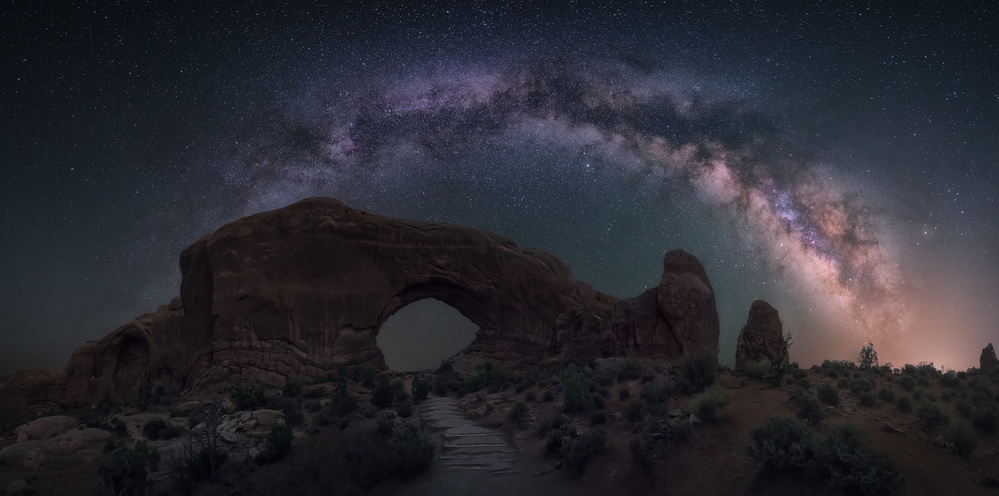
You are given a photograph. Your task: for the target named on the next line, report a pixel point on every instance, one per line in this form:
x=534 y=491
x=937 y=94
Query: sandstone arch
x=303 y=290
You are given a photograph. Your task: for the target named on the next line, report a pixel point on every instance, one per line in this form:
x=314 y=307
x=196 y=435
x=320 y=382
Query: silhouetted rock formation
x=762 y=337
x=988 y=359
x=303 y=290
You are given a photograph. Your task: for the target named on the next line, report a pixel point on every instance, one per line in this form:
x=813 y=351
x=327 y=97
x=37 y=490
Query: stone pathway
x=467 y=445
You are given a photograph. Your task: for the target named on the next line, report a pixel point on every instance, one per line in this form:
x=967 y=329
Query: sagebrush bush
x=963 y=407
x=632 y=368
x=420 y=389
x=654 y=393
x=844 y=459
x=985 y=419
x=907 y=383
x=904 y=403
x=382 y=395
x=961 y=439
x=548 y=395
x=575 y=392
x=249 y=396
x=950 y=379
x=798 y=374
x=828 y=394
x=866 y=399
x=697 y=372
x=635 y=410
x=861 y=385
x=516 y=414
x=757 y=370
x=578 y=450
x=280 y=440
x=931 y=417
x=809 y=408
x=887 y=395
x=708 y=405
x=127 y=471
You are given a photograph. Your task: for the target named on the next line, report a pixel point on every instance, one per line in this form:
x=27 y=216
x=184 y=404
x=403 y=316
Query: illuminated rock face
x=303 y=290
x=988 y=359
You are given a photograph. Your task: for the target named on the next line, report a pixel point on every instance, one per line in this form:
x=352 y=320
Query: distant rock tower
x=988 y=359
x=762 y=337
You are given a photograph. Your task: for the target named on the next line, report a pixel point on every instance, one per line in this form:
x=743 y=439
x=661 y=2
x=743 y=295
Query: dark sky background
x=837 y=159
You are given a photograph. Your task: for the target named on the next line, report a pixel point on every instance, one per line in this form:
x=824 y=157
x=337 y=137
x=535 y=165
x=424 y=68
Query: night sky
x=837 y=159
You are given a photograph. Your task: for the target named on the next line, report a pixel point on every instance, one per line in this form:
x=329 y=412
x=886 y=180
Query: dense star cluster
x=838 y=161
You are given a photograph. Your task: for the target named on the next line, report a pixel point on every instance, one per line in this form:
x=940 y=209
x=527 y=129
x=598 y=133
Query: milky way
x=817 y=232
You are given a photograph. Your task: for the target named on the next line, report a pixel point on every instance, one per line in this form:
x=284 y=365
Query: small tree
x=868 y=357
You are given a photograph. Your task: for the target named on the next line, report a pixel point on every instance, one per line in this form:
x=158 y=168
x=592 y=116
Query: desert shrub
x=697 y=372
x=757 y=370
x=420 y=389
x=598 y=417
x=828 y=394
x=280 y=440
x=947 y=395
x=343 y=402
x=292 y=409
x=623 y=393
x=923 y=380
x=887 y=395
x=903 y=403
x=153 y=428
x=918 y=394
x=985 y=420
x=517 y=412
x=382 y=395
x=632 y=368
x=557 y=437
x=961 y=439
x=249 y=396
x=963 y=407
x=809 y=408
x=548 y=395
x=844 y=459
x=950 y=379
x=868 y=358
x=404 y=408
x=848 y=462
x=803 y=383
x=367 y=460
x=783 y=444
x=861 y=385
x=531 y=396
x=708 y=405
x=931 y=417
x=553 y=421
x=635 y=410
x=798 y=374
x=643 y=453
x=575 y=392
x=484 y=376
x=907 y=383
x=292 y=387
x=579 y=450
x=867 y=399
x=366 y=375
x=127 y=471
x=654 y=393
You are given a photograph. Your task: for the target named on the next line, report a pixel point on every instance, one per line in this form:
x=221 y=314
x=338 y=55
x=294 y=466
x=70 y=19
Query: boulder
x=44 y=428
x=988 y=359
x=79 y=439
x=304 y=290
x=762 y=334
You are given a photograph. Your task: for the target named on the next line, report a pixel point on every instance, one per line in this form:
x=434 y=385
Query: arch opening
x=422 y=334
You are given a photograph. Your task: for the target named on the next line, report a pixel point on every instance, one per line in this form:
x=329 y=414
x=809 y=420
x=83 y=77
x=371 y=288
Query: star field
x=838 y=161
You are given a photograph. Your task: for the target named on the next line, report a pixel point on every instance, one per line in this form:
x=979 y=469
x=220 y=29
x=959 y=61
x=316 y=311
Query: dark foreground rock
x=303 y=290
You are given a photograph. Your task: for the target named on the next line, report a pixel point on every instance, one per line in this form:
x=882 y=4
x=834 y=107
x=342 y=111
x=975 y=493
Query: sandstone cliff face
x=763 y=334
x=302 y=290
x=988 y=358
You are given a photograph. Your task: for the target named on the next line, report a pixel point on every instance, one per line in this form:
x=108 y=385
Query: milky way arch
x=736 y=159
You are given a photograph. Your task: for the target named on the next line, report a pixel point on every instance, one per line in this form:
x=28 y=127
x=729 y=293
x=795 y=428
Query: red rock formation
x=763 y=334
x=302 y=290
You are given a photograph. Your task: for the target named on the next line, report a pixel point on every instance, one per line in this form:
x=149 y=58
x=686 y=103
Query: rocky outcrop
x=988 y=359
x=303 y=290
x=44 y=428
x=762 y=338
